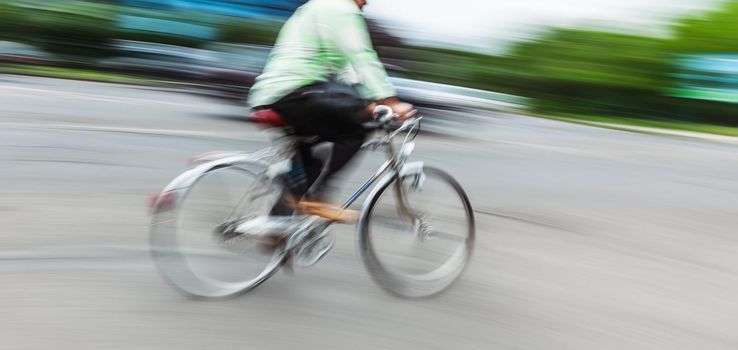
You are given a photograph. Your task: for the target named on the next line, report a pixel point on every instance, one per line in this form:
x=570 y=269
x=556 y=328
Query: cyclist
x=323 y=78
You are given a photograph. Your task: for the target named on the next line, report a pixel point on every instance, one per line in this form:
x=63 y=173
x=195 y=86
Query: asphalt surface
x=587 y=238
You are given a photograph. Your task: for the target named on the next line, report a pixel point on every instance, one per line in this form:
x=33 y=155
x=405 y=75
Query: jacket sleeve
x=350 y=35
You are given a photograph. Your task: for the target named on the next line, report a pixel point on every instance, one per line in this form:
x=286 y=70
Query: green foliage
x=243 y=31
x=594 y=72
x=569 y=70
x=70 y=27
x=160 y=38
x=84 y=28
x=564 y=71
x=450 y=66
x=14 y=22
x=715 y=31
x=579 y=57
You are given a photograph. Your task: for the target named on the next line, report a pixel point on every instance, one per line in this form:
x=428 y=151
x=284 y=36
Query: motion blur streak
x=588 y=238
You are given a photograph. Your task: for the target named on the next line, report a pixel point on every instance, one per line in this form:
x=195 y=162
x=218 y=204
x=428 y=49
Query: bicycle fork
x=421 y=226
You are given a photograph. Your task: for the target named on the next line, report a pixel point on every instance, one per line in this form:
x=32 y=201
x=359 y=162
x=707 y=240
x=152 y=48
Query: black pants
x=331 y=111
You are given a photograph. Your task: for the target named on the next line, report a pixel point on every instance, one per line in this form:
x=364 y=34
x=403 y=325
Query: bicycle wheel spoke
x=194 y=246
x=451 y=237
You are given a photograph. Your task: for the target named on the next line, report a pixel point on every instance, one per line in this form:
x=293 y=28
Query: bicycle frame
x=394 y=163
x=307 y=237
x=274 y=162
x=394 y=166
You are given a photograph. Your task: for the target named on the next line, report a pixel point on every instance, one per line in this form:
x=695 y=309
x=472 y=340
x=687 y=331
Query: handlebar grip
x=384 y=113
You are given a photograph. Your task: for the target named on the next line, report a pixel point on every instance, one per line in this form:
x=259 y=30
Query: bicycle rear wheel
x=421 y=254
x=191 y=243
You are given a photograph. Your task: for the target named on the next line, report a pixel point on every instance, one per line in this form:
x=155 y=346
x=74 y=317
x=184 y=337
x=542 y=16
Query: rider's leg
x=331 y=111
x=305 y=169
x=345 y=146
x=344 y=149
x=313 y=167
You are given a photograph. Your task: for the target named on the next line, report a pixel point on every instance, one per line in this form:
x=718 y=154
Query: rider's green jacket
x=323 y=40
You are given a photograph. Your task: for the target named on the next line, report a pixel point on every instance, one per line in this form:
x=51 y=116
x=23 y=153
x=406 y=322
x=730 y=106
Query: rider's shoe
x=327 y=211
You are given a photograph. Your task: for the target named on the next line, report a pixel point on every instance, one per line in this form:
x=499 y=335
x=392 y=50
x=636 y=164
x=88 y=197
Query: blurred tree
x=715 y=31
x=565 y=56
x=571 y=70
x=265 y=32
x=576 y=71
x=72 y=27
x=14 y=22
x=246 y=31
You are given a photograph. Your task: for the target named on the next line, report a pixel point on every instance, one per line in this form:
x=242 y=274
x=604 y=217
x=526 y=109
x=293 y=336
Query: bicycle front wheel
x=418 y=246
x=190 y=240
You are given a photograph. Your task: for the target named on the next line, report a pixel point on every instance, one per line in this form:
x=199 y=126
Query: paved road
x=587 y=238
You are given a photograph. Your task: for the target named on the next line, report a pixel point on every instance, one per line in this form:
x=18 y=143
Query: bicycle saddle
x=268 y=118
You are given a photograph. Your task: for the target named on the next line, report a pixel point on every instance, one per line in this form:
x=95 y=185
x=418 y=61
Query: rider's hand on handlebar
x=402 y=110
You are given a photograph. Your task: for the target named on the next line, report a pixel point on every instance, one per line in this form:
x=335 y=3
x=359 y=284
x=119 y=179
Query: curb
x=655 y=131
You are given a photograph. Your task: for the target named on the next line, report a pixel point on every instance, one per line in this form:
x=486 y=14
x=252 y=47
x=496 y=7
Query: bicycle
x=243 y=232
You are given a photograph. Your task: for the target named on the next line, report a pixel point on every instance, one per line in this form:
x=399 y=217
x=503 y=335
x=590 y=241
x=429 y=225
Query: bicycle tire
x=405 y=284
x=170 y=257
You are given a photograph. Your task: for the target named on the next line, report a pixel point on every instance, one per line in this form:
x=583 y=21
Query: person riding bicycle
x=324 y=78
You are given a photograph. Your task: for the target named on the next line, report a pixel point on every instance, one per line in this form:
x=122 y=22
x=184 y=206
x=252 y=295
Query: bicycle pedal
x=314 y=250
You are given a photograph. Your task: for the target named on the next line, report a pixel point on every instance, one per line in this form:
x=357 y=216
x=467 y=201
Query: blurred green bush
x=245 y=31
x=563 y=71
x=87 y=28
x=65 y=28
x=14 y=22
x=577 y=71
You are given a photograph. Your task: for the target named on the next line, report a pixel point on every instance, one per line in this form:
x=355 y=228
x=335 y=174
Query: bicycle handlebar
x=388 y=122
x=386 y=118
x=384 y=113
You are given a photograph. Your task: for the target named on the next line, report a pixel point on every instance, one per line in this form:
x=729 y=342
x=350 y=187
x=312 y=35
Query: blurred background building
x=686 y=71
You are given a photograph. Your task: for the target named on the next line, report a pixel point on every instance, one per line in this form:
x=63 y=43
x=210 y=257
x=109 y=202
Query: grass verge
x=73 y=73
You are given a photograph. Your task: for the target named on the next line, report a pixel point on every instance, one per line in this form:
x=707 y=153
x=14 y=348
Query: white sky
x=489 y=24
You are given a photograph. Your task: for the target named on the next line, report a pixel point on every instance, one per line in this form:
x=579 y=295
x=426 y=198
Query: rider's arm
x=349 y=32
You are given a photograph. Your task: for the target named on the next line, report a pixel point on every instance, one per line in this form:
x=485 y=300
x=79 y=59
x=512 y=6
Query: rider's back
x=323 y=39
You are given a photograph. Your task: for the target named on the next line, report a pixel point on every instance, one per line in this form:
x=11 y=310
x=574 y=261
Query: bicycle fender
x=412 y=168
x=187 y=178
x=408 y=169
x=173 y=192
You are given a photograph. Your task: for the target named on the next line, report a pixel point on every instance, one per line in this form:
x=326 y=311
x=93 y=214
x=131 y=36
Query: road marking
x=76 y=253
x=33 y=92
x=246 y=136
x=111 y=253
